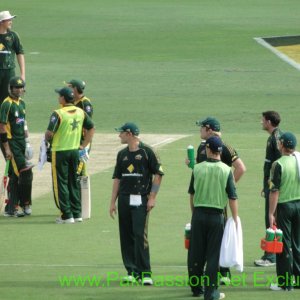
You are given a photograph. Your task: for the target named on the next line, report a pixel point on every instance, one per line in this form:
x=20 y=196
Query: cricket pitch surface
x=102 y=157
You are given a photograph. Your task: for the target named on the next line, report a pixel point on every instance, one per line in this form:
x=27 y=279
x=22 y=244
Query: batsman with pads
x=15 y=140
x=80 y=100
x=85 y=188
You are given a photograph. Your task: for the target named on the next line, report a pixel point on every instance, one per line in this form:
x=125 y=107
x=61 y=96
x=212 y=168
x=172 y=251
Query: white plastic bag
x=232 y=246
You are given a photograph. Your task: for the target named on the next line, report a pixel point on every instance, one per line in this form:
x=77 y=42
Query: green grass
x=163 y=64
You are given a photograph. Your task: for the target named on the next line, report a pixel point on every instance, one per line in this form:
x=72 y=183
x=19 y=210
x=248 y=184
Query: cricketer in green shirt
x=13 y=115
x=68 y=133
x=64 y=133
x=10 y=47
x=206 y=192
x=272 y=153
x=13 y=126
x=285 y=178
x=284 y=212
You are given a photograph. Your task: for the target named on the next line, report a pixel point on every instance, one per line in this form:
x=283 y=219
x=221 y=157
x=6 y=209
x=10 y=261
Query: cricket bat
x=85 y=197
x=3 y=187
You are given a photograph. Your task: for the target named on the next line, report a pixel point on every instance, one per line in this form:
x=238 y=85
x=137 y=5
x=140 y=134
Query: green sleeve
x=228 y=155
x=275 y=179
x=88 y=107
x=54 y=122
x=17 y=44
x=4 y=112
x=87 y=122
x=230 y=187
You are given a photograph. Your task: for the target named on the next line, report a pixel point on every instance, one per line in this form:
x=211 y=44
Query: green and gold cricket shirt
x=12 y=114
x=66 y=123
x=85 y=104
x=10 y=46
x=272 y=154
x=228 y=154
x=136 y=169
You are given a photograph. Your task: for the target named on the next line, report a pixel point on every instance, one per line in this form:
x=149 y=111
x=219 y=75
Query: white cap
x=5 y=15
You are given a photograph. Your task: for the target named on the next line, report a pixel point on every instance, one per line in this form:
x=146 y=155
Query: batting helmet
x=16 y=82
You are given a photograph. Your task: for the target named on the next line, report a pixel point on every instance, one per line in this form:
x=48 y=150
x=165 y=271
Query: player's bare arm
x=154 y=190
x=48 y=136
x=273 y=201
x=239 y=169
x=114 y=196
x=87 y=137
x=233 y=204
x=21 y=62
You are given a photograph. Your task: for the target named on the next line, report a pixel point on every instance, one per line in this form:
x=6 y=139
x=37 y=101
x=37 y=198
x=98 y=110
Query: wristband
x=3 y=137
x=155 y=188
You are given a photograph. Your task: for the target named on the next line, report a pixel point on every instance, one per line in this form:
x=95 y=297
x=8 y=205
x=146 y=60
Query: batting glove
x=84 y=155
x=28 y=150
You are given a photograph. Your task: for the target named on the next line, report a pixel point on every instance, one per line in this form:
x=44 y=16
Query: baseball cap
x=66 y=92
x=288 y=140
x=129 y=127
x=5 y=15
x=16 y=82
x=79 y=84
x=210 y=123
x=214 y=143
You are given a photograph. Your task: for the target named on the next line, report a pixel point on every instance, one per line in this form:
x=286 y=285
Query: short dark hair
x=272 y=116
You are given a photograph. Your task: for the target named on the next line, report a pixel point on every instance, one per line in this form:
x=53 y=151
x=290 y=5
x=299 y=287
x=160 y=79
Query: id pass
x=135 y=200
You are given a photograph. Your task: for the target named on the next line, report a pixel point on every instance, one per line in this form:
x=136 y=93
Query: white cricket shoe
x=147 y=281
x=129 y=278
x=27 y=210
x=66 y=221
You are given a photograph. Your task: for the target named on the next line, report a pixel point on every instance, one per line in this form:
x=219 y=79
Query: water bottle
x=187 y=235
x=270 y=235
x=191 y=156
x=278 y=235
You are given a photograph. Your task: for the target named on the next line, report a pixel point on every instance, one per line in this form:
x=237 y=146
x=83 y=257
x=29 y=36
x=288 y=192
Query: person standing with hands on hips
x=64 y=134
x=213 y=185
x=136 y=182
x=10 y=46
x=284 y=212
x=15 y=141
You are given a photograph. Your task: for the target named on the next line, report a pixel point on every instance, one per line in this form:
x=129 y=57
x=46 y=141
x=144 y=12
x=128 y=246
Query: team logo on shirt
x=88 y=108
x=125 y=158
x=53 y=119
x=130 y=168
x=138 y=157
x=16 y=114
x=74 y=124
x=20 y=121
